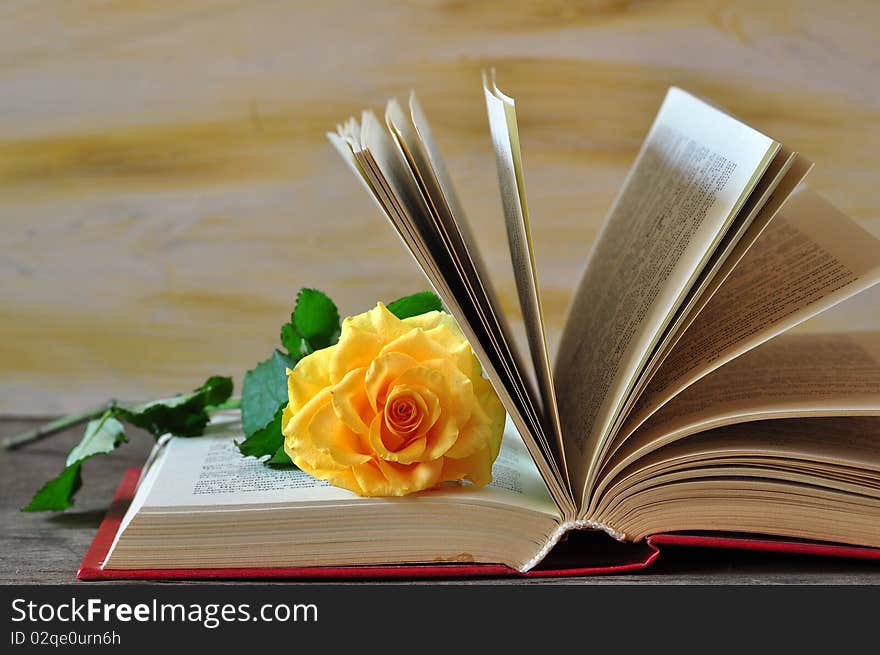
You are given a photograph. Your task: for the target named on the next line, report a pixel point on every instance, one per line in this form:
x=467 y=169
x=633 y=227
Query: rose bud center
x=404 y=414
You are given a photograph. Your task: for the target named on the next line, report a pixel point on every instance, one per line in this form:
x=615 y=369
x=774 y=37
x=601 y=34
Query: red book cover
x=592 y=554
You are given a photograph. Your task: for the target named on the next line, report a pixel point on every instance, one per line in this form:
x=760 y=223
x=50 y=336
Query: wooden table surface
x=46 y=548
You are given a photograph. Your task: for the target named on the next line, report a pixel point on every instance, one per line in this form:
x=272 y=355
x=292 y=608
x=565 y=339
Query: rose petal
x=387 y=445
x=350 y=401
x=491 y=404
x=443 y=378
x=431 y=320
x=342 y=477
x=427 y=401
x=477 y=467
x=308 y=377
x=356 y=350
x=417 y=345
x=455 y=349
x=373 y=482
x=332 y=436
x=485 y=425
x=472 y=436
x=411 y=478
x=295 y=425
x=301 y=449
x=442 y=436
x=453 y=390
x=404 y=412
x=445 y=332
x=383 y=371
x=378 y=321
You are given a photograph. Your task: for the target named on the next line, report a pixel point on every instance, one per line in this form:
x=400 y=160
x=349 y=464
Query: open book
x=677 y=402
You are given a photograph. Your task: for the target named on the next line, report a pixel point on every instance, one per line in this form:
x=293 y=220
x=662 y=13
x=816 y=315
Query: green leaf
x=268 y=441
x=280 y=459
x=291 y=340
x=57 y=494
x=418 y=303
x=264 y=392
x=265 y=441
x=316 y=318
x=216 y=390
x=101 y=437
x=184 y=415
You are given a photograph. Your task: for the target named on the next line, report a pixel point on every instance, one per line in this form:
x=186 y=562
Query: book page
x=203 y=505
x=695 y=170
x=840 y=450
x=810 y=258
x=793 y=179
x=838 y=441
x=389 y=177
x=783 y=176
x=794 y=375
x=209 y=471
x=505 y=138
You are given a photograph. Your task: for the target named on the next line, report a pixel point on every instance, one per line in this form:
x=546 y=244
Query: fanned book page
x=694 y=172
x=511 y=181
x=783 y=176
x=792 y=376
x=400 y=169
x=809 y=259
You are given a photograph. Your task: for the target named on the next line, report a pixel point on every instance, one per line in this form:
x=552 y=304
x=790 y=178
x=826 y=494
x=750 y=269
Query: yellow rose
x=397 y=406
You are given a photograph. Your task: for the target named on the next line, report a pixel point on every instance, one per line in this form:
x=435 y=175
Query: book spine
x=562 y=529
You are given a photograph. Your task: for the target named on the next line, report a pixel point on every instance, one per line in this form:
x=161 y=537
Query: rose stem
x=60 y=424
x=53 y=427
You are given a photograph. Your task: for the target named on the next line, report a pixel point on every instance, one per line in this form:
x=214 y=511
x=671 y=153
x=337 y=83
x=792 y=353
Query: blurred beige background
x=165 y=185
